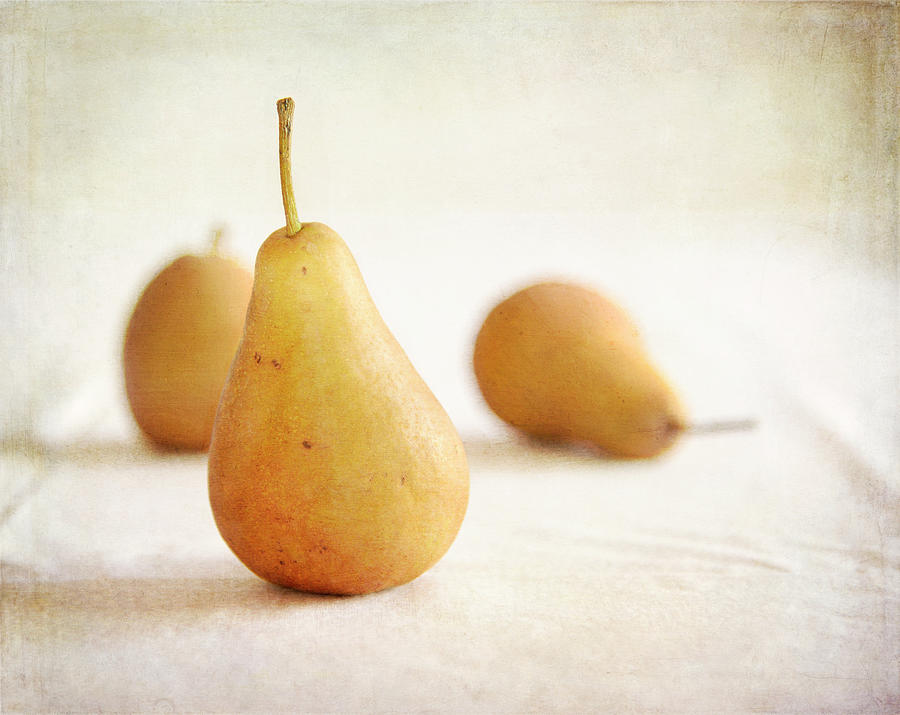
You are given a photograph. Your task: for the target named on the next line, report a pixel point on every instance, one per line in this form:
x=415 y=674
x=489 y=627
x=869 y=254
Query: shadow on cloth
x=140 y=598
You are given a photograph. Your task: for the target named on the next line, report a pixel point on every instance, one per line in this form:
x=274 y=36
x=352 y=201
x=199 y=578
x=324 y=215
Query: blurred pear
x=179 y=344
x=562 y=362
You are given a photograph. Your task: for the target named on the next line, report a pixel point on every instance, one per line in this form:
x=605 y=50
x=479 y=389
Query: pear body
x=333 y=468
x=179 y=343
x=561 y=362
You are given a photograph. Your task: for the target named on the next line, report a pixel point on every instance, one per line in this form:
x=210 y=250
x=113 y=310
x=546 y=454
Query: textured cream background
x=460 y=148
x=728 y=171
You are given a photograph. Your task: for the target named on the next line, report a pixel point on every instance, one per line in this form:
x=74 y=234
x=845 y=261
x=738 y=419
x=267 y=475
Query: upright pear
x=179 y=344
x=560 y=361
x=333 y=468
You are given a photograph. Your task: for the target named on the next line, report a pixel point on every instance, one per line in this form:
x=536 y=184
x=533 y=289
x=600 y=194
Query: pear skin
x=561 y=362
x=179 y=343
x=333 y=468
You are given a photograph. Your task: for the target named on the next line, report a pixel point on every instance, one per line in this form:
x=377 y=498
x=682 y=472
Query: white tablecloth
x=743 y=572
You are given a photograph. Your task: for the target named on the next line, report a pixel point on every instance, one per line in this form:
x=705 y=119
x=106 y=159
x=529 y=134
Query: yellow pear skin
x=179 y=343
x=333 y=468
x=561 y=362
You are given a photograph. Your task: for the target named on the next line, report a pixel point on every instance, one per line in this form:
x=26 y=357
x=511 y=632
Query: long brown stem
x=285 y=120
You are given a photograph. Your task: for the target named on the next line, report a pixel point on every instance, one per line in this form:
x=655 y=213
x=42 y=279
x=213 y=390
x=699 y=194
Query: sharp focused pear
x=562 y=362
x=333 y=468
x=181 y=338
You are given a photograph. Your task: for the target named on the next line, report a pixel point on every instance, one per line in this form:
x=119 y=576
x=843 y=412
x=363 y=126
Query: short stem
x=285 y=119
x=215 y=246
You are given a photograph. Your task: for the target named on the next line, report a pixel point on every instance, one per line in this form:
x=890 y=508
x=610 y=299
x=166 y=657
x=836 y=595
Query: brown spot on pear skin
x=307 y=444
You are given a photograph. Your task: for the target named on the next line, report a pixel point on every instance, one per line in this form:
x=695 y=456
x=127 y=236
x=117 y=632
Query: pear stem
x=285 y=120
x=215 y=246
x=722 y=426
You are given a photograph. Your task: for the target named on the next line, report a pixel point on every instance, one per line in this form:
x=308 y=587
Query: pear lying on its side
x=333 y=468
x=562 y=362
x=181 y=338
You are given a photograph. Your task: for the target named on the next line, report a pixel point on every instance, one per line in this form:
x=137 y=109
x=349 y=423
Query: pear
x=561 y=362
x=333 y=468
x=179 y=343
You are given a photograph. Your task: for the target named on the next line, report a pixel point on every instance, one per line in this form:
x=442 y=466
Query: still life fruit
x=179 y=343
x=333 y=468
x=561 y=362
